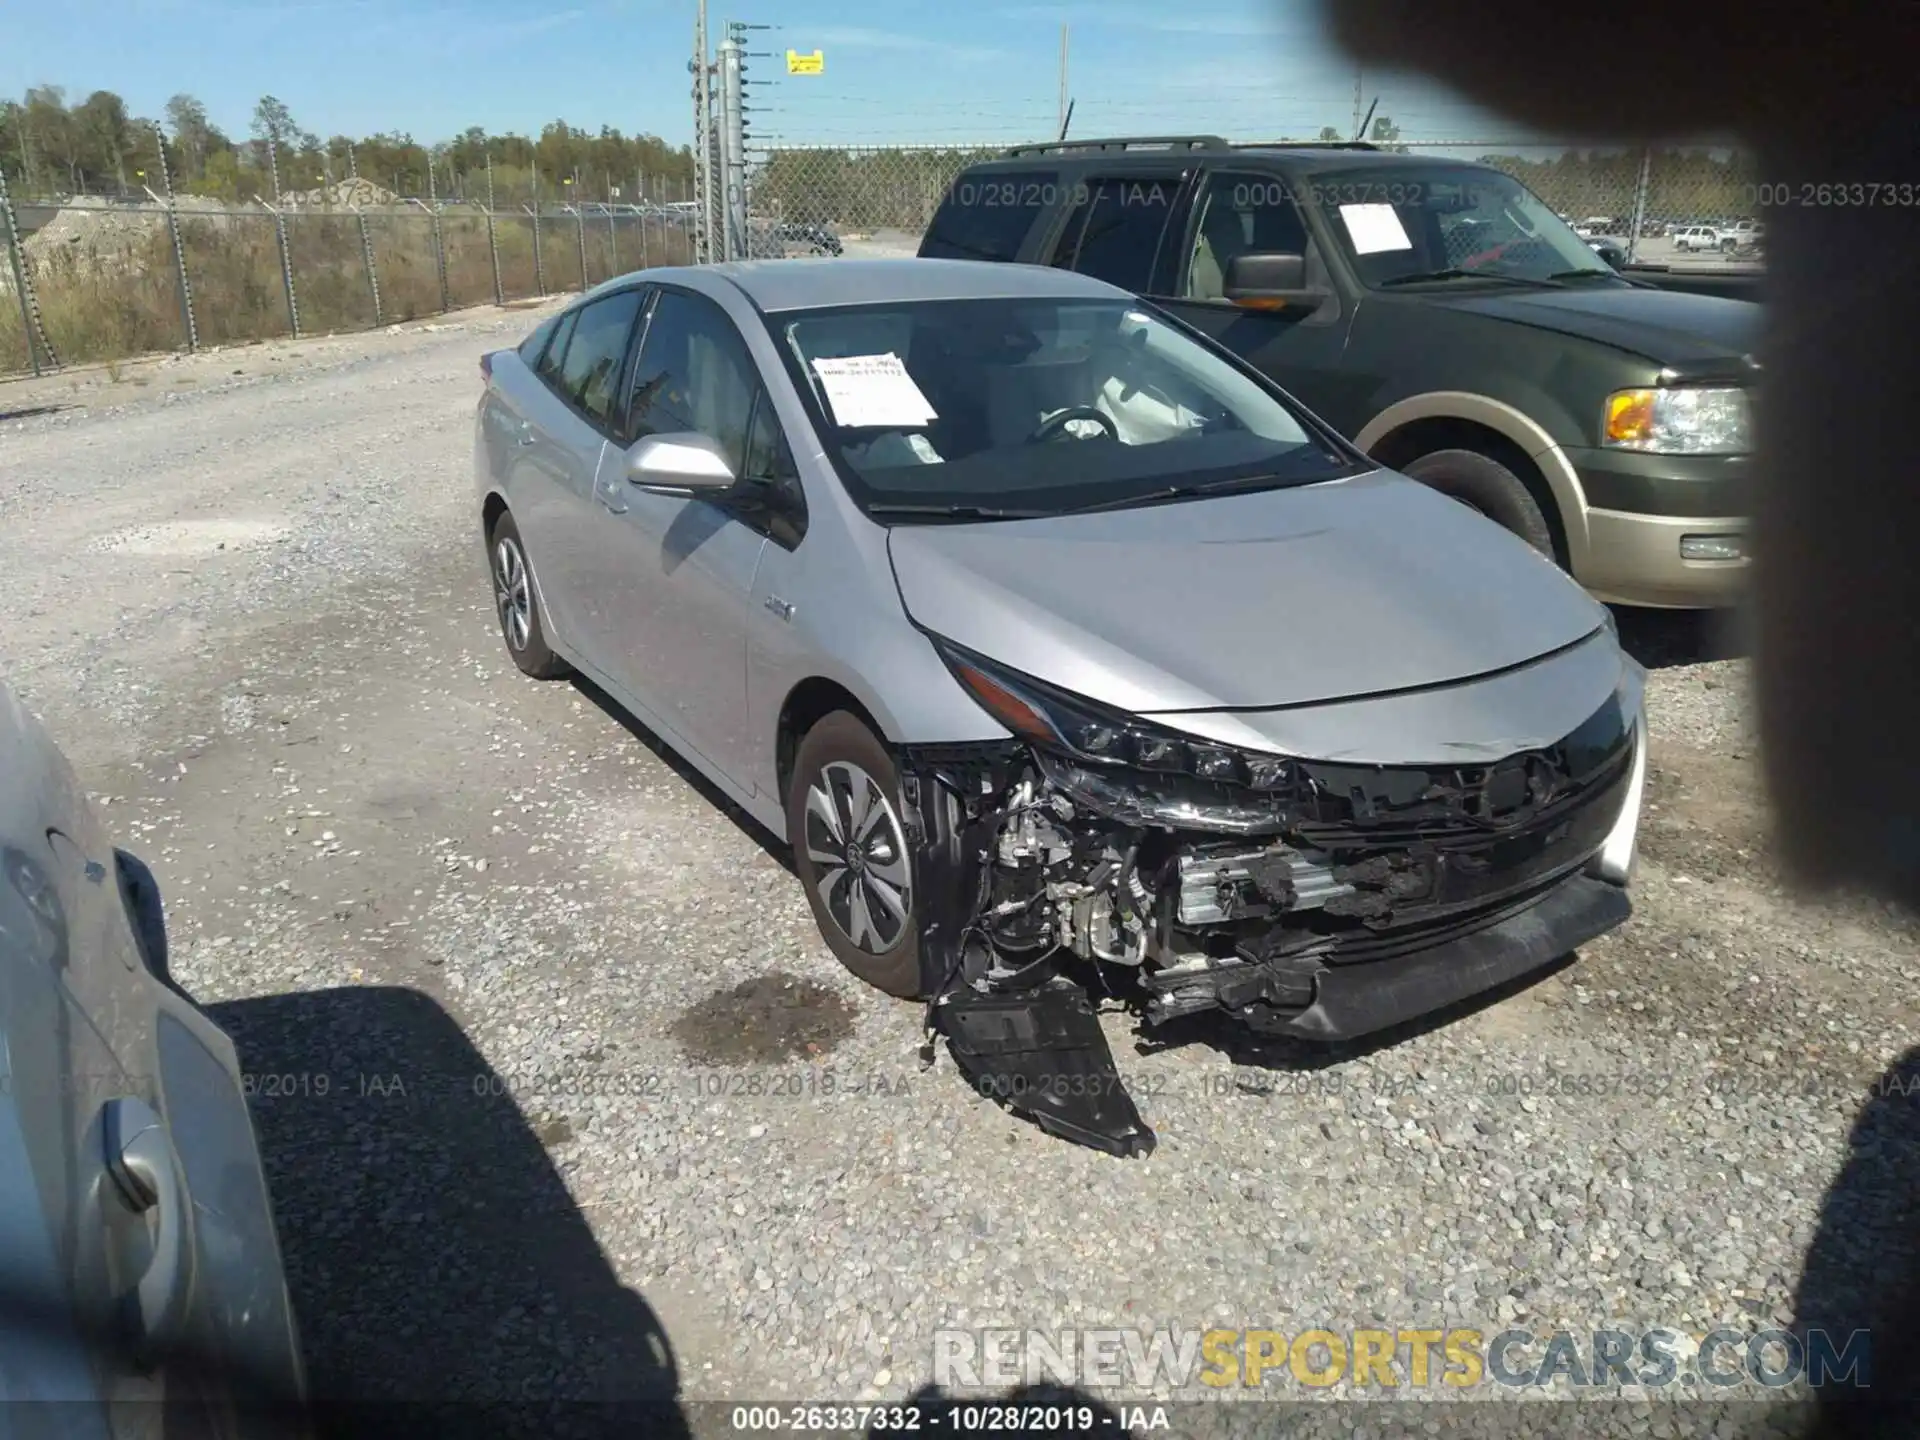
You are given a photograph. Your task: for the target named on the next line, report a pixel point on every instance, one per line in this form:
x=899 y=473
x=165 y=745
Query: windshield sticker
x=873 y=390
x=1375 y=228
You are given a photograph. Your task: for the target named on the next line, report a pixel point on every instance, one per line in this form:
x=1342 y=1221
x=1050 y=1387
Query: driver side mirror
x=686 y=463
x=1269 y=280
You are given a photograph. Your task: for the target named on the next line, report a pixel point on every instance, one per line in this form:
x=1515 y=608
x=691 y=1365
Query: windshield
x=1036 y=406
x=1407 y=220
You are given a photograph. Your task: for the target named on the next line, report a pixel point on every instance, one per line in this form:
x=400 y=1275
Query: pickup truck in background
x=1440 y=315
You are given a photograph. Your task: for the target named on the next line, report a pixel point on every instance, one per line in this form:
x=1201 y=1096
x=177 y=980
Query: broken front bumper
x=1320 y=900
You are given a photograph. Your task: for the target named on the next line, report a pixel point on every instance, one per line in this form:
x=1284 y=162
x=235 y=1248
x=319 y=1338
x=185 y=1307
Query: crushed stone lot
x=562 y=1096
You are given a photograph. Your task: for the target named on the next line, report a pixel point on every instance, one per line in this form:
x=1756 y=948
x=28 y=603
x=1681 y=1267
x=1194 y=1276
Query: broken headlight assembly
x=1083 y=733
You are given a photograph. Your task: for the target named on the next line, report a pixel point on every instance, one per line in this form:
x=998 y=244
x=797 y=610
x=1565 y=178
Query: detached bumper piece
x=1042 y=1053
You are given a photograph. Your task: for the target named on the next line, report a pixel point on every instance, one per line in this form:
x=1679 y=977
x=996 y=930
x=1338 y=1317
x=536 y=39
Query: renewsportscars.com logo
x=1408 y=1359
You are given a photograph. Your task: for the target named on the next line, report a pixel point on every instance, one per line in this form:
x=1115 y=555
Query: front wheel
x=1483 y=484
x=850 y=852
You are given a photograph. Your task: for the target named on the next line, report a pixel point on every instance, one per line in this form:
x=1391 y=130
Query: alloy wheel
x=858 y=853
x=513 y=593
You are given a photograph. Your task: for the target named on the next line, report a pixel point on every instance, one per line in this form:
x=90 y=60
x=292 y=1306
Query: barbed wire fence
x=96 y=279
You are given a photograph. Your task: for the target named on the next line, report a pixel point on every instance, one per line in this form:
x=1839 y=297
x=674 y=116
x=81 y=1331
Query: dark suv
x=1439 y=314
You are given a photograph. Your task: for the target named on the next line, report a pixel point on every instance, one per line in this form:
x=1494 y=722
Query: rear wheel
x=1486 y=486
x=844 y=822
x=518 y=604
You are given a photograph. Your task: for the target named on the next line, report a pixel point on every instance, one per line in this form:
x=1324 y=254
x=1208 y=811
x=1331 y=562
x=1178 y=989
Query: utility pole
x=1063 y=81
x=702 y=70
x=1358 y=86
x=733 y=145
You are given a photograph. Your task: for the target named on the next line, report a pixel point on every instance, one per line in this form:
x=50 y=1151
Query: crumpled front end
x=1298 y=896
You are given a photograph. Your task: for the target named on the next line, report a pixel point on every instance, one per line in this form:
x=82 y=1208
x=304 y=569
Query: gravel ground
x=562 y=1096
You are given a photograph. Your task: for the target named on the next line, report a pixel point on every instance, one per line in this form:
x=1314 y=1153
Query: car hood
x=1668 y=327
x=1285 y=597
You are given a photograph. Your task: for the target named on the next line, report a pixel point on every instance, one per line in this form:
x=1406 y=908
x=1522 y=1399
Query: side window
x=1114 y=232
x=1240 y=212
x=535 y=345
x=769 y=465
x=549 y=367
x=590 y=373
x=694 y=373
x=988 y=216
x=767 y=458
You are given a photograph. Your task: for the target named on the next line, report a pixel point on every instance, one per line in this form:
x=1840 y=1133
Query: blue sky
x=909 y=71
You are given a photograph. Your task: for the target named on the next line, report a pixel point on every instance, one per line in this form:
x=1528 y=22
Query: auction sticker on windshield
x=867 y=390
x=1375 y=228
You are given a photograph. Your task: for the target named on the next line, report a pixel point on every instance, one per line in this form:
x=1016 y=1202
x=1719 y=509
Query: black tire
x=516 y=603
x=832 y=754
x=1484 y=484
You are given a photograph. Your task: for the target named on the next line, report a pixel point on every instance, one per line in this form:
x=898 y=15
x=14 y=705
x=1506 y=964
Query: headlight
x=1684 y=420
x=1074 y=726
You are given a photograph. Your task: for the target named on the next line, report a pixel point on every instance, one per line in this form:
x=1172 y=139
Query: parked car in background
x=141 y=1258
x=1438 y=314
x=1697 y=237
x=1054 y=636
x=1609 y=250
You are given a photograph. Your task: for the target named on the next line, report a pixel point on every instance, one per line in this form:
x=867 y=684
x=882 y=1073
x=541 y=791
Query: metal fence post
x=439 y=240
x=286 y=264
x=539 y=261
x=580 y=229
x=179 y=246
x=366 y=249
x=493 y=246
x=613 y=235
x=1640 y=202
x=640 y=197
x=32 y=327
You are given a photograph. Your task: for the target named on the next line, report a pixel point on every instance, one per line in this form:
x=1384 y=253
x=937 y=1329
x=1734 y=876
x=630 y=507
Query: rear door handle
x=146 y=1183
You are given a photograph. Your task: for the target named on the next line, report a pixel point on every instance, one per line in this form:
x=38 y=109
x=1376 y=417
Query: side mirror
x=687 y=463
x=1268 y=280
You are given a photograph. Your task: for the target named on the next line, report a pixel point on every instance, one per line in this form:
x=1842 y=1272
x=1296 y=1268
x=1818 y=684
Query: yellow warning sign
x=798 y=64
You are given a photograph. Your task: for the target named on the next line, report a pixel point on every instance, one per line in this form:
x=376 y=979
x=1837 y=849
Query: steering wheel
x=1054 y=424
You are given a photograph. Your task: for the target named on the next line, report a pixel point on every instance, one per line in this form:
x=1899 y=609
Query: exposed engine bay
x=1252 y=885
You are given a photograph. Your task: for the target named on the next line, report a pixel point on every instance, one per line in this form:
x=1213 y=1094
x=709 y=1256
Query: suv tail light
x=486 y=366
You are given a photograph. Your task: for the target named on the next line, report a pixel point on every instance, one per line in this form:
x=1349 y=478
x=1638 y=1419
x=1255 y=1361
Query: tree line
x=50 y=148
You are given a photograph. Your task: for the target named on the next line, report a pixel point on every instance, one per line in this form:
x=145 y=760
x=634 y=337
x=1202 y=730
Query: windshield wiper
x=956 y=512
x=1181 y=492
x=1585 y=272
x=1458 y=274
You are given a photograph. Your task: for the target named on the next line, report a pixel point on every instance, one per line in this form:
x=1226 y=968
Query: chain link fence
x=86 y=283
x=1657 y=204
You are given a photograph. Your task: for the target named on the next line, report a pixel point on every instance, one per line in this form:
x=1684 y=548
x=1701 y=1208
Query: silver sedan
x=1070 y=655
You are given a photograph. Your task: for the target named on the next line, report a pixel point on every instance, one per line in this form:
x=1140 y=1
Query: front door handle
x=146 y=1183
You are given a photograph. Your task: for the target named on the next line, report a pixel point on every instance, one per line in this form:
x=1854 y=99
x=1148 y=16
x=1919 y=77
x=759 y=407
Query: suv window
x=549 y=367
x=694 y=373
x=987 y=217
x=590 y=372
x=1240 y=212
x=1114 y=231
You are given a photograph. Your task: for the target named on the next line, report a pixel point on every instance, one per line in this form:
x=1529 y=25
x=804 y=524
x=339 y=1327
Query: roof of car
x=1305 y=155
x=812 y=283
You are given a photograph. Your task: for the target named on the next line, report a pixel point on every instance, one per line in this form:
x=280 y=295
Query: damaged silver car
x=1074 y=659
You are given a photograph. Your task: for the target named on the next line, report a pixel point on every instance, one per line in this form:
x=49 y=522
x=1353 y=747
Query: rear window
x=535 y=344
x=988 y=215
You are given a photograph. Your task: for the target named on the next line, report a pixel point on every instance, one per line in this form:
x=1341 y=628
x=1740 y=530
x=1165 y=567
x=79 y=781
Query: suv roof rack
x=1305 y=145
x=1123 y=142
